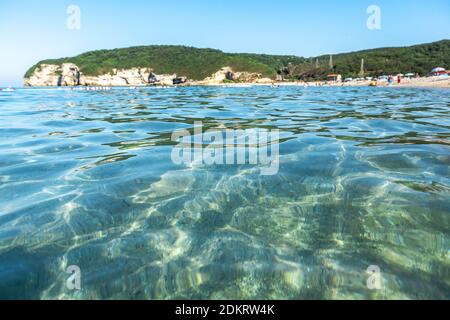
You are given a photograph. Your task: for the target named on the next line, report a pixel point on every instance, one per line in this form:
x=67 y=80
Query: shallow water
x=86 y=179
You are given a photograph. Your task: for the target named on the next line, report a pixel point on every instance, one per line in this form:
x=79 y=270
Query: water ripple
x=86 y=179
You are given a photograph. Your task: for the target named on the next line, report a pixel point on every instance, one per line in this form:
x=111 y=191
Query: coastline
x=422 y=82
x=406 y=83
x=69 y=75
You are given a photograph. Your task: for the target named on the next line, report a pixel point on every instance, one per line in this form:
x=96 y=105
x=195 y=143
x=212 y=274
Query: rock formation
x=247 y=77
x=68 y=74
x=124 y=77
x=227 y=74
x=45 y=75
x=220 y=76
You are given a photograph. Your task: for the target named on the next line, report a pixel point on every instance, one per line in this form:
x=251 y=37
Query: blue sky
x=35 y=30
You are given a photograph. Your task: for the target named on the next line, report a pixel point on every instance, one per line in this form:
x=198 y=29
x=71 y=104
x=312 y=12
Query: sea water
x=87 y=183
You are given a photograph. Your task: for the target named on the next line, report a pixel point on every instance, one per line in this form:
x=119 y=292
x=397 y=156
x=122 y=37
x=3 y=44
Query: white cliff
x=68 y=74
x=46 y=75
x=227 y=74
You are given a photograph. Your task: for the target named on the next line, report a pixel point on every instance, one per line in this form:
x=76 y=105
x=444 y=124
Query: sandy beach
x=422 y=82
x=430 y=82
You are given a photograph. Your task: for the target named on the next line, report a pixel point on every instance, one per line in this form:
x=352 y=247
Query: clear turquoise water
x=86 y=179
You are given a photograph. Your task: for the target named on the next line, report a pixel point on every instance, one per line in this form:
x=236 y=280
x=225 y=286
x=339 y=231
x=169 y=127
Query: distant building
x=334 y=77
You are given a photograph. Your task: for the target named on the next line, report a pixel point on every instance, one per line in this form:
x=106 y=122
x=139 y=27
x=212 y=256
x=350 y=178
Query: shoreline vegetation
x=179 y=65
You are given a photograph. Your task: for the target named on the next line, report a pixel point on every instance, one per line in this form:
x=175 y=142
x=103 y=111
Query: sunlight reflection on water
x=86 y=179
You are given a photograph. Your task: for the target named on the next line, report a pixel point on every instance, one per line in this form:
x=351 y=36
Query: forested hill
x=416 y=59
x=198 y=64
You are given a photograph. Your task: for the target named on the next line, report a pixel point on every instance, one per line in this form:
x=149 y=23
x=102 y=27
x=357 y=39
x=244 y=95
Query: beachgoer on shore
x=399 y=79
x=390 y=80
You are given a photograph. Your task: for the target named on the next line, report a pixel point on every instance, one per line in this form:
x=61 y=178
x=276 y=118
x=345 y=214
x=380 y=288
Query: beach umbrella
x=409 y=74
x=438 y=70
